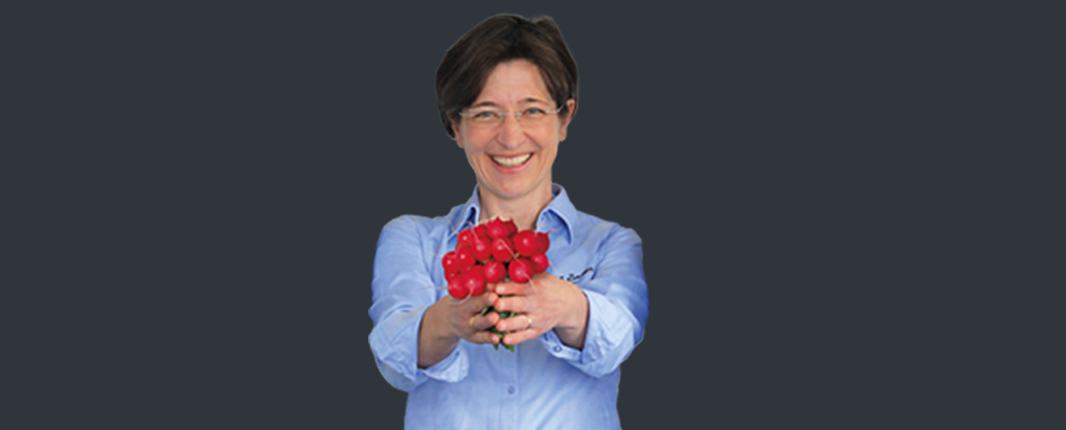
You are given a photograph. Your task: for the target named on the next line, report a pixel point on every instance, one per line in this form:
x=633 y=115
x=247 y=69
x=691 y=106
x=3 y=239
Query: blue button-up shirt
x=544 y=384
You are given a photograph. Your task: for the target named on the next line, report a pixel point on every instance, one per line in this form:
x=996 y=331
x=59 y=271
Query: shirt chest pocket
x=577 y=272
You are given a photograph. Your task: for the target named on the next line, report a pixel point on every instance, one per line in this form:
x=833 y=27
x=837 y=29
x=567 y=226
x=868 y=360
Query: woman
x=507 y=91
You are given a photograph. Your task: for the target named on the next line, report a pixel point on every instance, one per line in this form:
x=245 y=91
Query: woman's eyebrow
x=493 y=104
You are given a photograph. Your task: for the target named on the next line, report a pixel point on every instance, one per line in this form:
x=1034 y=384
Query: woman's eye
x=484 y=115
x=533 y=111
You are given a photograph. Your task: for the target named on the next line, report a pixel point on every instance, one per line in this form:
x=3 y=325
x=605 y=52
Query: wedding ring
x=472 y=323
x=530 y=321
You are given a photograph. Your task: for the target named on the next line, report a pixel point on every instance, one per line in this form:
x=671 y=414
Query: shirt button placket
x=510 y=402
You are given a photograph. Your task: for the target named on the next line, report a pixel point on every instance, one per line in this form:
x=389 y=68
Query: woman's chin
x=511 y=189
x=508 y=192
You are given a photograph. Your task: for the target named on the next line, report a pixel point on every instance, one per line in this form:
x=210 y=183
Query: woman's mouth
x=511 y=161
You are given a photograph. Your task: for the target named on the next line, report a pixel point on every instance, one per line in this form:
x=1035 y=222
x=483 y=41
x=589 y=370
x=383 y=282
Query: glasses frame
x=501 y=116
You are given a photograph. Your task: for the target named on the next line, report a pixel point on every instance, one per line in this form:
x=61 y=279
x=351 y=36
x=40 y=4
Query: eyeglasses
x=490 y=118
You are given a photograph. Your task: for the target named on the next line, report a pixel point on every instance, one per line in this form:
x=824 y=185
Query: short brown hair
x=467 y=64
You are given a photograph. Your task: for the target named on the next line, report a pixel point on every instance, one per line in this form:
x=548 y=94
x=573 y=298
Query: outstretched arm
x=416 y=335
x=594 y=327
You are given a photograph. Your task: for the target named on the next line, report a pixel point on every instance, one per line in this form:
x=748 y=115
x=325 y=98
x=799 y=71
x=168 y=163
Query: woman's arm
x=593 y=327
x=448 y=321
x=416 y=335
x=617 y=306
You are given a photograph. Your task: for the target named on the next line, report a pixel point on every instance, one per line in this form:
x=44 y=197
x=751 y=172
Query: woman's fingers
x=483 y=322
x=512 y=289
x=514 y=323
x=471 y=305
x=521 y=335
x=479 y=325
x=484 y=337
x=516 y=304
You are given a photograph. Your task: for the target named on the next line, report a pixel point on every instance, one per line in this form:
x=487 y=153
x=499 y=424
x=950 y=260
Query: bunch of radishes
x=493 y=252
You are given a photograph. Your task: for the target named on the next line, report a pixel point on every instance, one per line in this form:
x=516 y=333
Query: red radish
x=543 y=243
x=483 y=232
x=466 y=237
x=465 y=255
x=520 y=270
x=502 y=250
x=482 y=248
x=457 y=289
x=451 y=263
x=494 y=271
x=491 y=252
x=526 y=243
x=539 y=262
x=511 y=227
x=474 y=282
x=495 y=228
x=475 y=268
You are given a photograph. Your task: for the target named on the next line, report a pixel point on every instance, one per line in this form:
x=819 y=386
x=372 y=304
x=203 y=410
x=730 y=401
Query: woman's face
x=512 y=160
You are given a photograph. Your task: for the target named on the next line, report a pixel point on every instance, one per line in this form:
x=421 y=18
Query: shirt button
x=510 y=389
x=558 y=348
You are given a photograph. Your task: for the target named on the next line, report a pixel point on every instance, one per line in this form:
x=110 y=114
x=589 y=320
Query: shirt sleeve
x=402 y=291
x=618 y=308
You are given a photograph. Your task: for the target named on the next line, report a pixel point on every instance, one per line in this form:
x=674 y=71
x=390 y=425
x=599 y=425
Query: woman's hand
x=545 y=303
x=448 y=320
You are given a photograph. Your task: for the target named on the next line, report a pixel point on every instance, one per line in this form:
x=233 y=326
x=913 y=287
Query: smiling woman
x=507 y=92
x=513 y=158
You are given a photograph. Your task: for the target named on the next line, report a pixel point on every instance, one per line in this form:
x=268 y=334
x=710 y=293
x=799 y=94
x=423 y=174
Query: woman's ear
x=455 y=134
x=571 y=109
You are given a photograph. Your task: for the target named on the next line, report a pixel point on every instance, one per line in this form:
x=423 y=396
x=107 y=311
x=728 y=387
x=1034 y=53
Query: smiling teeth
x=511 y=162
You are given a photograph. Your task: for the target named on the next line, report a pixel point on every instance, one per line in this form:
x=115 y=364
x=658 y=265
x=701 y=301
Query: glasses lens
x=532 y=116
x=484 y=117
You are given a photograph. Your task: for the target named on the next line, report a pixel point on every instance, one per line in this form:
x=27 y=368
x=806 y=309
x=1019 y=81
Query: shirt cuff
x=397 y=349
x=557 y=348
x=452 y=368
x=602 y=333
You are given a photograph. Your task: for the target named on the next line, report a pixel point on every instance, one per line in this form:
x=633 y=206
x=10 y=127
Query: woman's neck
x=523 y=210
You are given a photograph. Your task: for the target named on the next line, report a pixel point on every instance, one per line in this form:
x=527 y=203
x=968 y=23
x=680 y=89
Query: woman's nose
x=510 y=133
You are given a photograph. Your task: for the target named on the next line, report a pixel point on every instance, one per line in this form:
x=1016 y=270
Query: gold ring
x=472 y=323
x=530 y=321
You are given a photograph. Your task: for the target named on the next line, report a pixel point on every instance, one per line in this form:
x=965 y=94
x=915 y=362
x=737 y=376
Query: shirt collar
x=468 y=214
x=560 y=206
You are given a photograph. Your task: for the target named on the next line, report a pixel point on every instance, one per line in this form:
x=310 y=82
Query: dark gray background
x=209 y=184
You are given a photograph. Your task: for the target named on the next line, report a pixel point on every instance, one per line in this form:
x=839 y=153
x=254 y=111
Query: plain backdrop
x=209 y=183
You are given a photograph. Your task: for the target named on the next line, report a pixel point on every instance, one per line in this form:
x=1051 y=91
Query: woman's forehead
x=513 y=82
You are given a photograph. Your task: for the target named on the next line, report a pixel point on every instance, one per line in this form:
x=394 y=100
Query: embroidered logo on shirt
x=575 y=278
